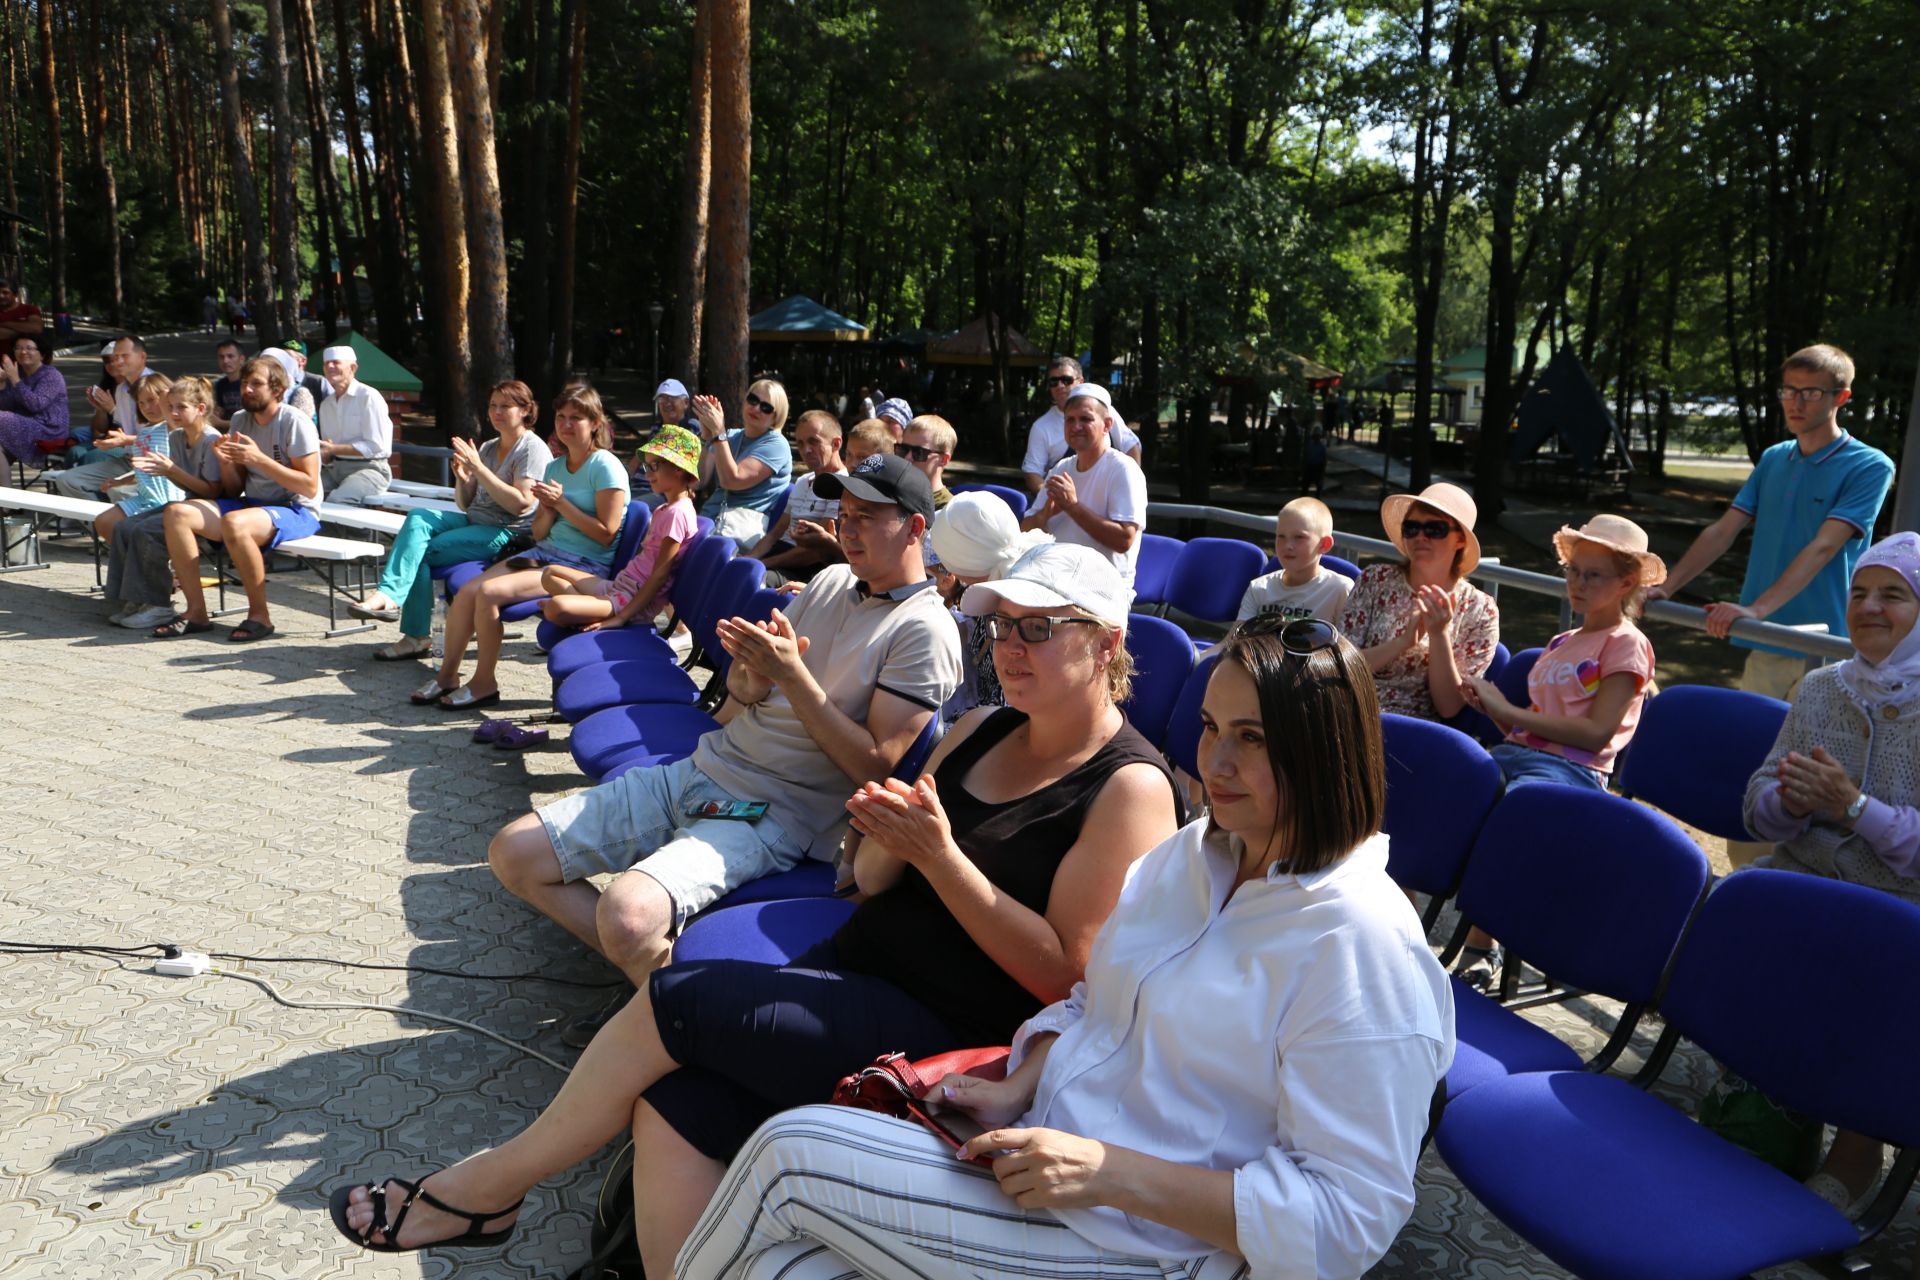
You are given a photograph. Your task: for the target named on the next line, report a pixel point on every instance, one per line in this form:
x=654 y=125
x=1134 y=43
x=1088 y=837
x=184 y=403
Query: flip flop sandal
x=430 y=693
x=464 y=699
x=249 y=631
x=515 y=738
x=489 y=730
x=361 y=610
x=472 y=1238
x=397 y=652
x=180 y=626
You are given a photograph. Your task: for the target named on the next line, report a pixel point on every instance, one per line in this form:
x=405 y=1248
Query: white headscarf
x=977 y=536
x=1894 y=681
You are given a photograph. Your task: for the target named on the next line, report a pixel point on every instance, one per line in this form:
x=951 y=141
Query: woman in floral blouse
x=1421 y=625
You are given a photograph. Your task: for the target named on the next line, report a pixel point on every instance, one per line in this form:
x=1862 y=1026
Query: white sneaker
x=148 y=618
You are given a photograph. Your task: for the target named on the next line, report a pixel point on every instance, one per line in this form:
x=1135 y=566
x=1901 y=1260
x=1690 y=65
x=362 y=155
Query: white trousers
x=832 y=1193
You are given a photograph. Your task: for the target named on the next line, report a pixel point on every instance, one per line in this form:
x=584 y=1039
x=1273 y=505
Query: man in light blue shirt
x=1812 y=501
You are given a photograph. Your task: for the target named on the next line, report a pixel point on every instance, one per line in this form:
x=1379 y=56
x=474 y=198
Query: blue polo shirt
x=1790 y=495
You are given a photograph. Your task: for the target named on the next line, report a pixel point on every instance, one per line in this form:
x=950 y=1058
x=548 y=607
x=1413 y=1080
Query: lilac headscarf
x=1895 y=680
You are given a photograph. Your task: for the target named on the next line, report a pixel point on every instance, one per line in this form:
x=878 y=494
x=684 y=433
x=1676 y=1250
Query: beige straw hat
x=1448 y=499
x=1615 y=533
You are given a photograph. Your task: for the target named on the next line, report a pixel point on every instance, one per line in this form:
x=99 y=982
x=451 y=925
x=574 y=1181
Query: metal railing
x=441 y=452
x=1816 y=645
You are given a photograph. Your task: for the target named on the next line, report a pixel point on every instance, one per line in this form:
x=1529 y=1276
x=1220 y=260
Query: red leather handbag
x=894 y=1086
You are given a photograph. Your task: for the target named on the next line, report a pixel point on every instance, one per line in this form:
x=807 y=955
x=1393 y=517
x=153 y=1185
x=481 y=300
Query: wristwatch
x=1858 y=807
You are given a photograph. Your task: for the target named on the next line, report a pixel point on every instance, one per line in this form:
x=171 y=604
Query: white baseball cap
x=1058 y=573
x=671 y=387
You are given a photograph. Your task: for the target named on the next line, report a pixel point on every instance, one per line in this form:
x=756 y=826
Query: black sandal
x=472 y=1238
x=249 y=631
x=181 y=625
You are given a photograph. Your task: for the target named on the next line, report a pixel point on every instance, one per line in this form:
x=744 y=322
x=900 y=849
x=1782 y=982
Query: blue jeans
x=1522 y=765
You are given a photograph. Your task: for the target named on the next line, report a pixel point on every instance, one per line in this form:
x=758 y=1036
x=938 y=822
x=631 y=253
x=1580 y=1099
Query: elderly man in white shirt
x=1047 y=437
x=1095 y=496
x=356 y=433
x=1240 y=1084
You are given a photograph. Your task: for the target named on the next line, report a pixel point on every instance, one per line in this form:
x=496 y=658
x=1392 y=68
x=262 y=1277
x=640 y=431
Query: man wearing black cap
x=827 y=695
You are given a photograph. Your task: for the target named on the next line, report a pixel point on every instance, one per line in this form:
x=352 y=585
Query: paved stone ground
x=284 y=799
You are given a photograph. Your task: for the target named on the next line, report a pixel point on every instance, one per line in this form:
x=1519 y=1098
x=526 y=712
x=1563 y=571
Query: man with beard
x=270 y=476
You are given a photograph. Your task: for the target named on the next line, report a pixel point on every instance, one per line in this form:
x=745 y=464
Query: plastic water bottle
x=437 y=643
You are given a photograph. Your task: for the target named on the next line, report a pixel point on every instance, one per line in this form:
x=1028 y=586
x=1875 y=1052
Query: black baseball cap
x=884 y=477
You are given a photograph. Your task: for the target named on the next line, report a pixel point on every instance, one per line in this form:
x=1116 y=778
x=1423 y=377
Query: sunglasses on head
x=1300 y=637
x=1435 y=529
x=755 y=402
x=1060 y=380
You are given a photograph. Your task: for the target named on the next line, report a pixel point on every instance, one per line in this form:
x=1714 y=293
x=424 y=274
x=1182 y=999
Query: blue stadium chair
x=1016 y=500
x=1162 y=661
x=689 y=588
x=1589 y=888
x=1475 y=724
x=1694 y=750
x=1210 y=576
x=659 y=680
x=767 y=932
x=1441 y=785
x=1512 y=681
x=1152 y=570
x=1183 y=724
x=624 y=735
x=1611 y=1182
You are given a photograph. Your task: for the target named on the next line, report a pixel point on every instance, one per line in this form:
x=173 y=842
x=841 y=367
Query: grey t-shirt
x=198 y=461
x=287 y=435
x=528 y=458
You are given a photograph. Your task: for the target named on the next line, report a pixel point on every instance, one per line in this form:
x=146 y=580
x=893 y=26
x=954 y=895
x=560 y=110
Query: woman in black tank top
x=985 y=883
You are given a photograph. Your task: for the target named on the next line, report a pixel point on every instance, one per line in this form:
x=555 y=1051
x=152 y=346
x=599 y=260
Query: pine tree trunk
x=569 y=195
x=325 y=176
x=447 y=307
x=359 y=177
x=245 y=194
x=391 y=277
x=730 y=274
x=283 y=179
x=56 y=185
x=533 y=347
x=683 y=356
x=480 y=177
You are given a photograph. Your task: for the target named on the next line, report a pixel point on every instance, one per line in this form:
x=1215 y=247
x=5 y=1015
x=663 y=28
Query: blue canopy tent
x=801 y=319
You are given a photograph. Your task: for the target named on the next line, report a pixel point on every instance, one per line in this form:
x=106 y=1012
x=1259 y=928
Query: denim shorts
x=547 y=553
x=638 y=822
x=289 y=523
x=1522 y=765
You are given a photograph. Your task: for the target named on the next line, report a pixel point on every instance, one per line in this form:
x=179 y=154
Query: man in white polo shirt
x=826 y=696
x=356 y=433
x=1047 y=437
x=1095 y=496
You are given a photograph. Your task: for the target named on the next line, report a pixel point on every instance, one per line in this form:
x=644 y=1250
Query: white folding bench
x=365 y=519
x=415 y=489
x=83 y=511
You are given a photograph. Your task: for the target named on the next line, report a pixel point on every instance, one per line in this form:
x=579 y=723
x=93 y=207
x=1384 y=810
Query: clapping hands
x=906 y=821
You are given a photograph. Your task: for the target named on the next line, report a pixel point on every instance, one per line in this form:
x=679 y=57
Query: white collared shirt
x=358 y=416
x=1292 y=1033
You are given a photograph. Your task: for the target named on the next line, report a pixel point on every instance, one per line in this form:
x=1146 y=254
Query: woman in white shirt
x=1256 y=1044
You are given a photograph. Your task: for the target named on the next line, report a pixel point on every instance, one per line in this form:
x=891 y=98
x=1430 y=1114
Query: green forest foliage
x=1684 y=192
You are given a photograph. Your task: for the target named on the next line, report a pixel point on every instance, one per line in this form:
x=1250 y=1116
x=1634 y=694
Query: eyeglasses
x=1037 y=629
x=917 y=453
x=1805 y=395
x=755 y=402
x=1435 y=529
x=1587 y=577
x=656 y=464
x=1061 y=380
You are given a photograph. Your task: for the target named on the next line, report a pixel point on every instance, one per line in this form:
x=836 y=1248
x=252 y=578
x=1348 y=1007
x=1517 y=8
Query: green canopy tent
x=381 y=371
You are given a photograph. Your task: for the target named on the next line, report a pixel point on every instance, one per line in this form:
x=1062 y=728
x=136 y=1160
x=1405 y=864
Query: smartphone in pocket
x=740 y=810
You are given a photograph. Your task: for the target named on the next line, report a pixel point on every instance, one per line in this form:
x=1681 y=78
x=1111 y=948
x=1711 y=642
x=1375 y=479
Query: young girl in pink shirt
x=1585 y=691
x=585 y=600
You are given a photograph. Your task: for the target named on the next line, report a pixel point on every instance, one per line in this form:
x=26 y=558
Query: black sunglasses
x=755 y=402
x=1060 y=380
x=1435 y=529
x=1300 y=637
x=915 y=452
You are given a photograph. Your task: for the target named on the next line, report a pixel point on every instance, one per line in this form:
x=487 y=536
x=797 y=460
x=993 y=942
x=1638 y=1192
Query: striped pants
x=831 y=1193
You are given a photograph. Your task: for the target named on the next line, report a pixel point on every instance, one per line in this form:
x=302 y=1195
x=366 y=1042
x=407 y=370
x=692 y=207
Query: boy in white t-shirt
x=1302 y=587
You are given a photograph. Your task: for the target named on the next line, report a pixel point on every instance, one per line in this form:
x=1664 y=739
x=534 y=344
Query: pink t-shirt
x=675 y=520
x=1567 y=677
